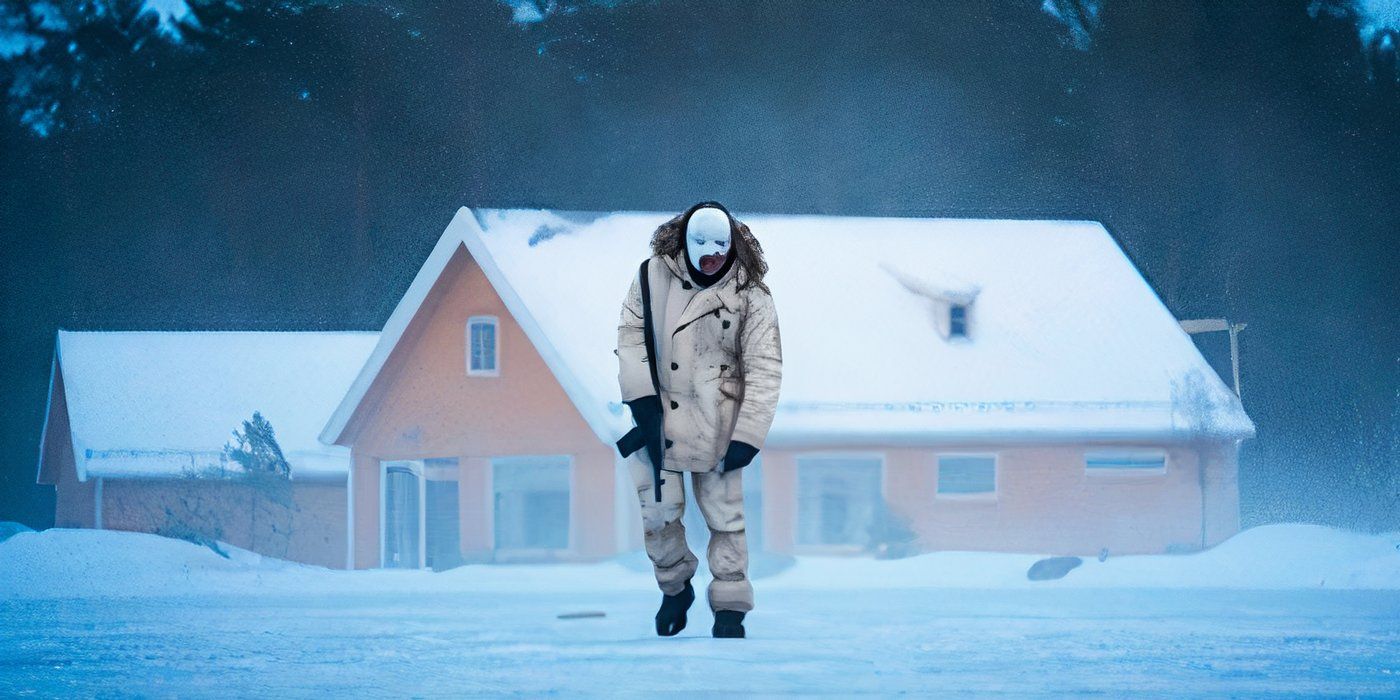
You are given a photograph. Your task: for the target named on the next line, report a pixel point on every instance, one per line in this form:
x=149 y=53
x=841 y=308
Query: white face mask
x=707 y=239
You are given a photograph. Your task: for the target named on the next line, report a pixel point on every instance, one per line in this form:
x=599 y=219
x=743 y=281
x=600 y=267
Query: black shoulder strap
x=649 y=338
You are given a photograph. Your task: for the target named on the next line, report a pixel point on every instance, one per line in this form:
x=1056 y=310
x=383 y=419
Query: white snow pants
x=720 y=497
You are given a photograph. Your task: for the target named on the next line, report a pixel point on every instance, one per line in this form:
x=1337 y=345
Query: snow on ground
x=66 y=563
x=1278 y=610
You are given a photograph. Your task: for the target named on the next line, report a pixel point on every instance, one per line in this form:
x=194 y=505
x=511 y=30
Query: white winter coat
x=719 y=361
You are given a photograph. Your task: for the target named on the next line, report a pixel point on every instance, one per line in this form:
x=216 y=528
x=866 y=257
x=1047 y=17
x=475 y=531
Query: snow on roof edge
x=1236 y=406
x=394 y=329
x=79 y=465
x=465 y=230
x=573 y=387
x=67 y=340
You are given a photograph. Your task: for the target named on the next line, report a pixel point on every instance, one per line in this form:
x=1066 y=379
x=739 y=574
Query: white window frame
x=528 y=553
x=1127 y=471
x=416 y=466
x=495 y=324
x=992 y=495
x=799 y=547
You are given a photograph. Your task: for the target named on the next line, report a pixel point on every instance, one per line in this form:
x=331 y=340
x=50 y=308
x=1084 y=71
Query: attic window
x=483 y=346
x=945 y=296
x=957 y=321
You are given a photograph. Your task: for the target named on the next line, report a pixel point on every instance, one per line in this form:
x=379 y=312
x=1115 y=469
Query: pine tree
x=257 y=448
x=267 y=475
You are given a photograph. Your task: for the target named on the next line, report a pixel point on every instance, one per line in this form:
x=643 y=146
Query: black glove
x=647 y=434
x=650 y=421
x=738 y=455
x=646 y=412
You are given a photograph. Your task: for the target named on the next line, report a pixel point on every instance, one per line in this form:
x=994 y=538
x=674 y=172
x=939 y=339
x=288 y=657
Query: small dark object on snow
x=728 y=624
x=1052 y=568
x=586 y=613
x=670 y=619
x=1103 y=554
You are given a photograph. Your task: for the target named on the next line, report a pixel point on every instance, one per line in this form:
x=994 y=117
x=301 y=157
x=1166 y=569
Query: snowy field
x=1286 y=610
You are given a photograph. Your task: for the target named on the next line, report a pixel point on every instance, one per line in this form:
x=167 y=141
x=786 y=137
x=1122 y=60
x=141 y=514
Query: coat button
x=716 y=313
x=675 y=405
x=675 y=366
x=685 y=285
x=723 y=367
x=724 y=323
x=668 y=442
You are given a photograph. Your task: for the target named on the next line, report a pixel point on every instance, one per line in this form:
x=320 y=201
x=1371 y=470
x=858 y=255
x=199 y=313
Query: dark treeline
x=1242 y=153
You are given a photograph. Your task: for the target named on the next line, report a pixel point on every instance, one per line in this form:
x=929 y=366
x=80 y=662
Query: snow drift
x=76 y=563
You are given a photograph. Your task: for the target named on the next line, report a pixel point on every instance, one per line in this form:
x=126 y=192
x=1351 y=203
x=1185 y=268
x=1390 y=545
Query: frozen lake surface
x=929 y=641
x=1287 y=610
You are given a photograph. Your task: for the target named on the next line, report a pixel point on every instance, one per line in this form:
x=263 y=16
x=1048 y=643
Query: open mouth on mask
x=710 y=263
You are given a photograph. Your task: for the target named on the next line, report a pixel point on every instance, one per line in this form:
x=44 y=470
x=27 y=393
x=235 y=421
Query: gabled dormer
x=951 y=303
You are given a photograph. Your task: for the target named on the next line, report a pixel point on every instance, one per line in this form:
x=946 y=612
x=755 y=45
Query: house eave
x=824 y=439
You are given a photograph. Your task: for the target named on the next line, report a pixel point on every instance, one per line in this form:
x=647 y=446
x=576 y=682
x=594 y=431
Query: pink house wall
x=424 y=404
x=1045 y=502
x=311 y=532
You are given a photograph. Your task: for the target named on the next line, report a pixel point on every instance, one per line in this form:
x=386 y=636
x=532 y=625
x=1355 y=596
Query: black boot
x=670 y=619
x=728 y=623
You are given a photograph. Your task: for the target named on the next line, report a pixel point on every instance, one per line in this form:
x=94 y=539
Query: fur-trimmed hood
x=669 y=240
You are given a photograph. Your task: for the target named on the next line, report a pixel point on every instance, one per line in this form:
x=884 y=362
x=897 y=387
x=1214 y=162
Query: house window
x=402 y=515
x=957 y=321
x=837 y=500
x=967 y=475
x=483 y=346
x=531 y=499
x=1126 y=461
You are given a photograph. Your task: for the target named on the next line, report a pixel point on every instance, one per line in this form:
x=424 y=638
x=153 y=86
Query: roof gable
x=462 y=231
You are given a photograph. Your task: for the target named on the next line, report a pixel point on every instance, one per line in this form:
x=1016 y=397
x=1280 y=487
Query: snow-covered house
x=999 y=385
x=1005 y=385
x=132 y=414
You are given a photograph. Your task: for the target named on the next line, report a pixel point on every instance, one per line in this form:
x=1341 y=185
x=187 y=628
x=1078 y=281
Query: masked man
x=707 y=411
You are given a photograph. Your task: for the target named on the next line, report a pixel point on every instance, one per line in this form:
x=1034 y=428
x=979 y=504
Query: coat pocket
x=731 y=395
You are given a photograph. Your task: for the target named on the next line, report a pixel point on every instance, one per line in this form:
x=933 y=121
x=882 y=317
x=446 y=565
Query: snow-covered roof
x=1067 y=340
x=155 y=403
